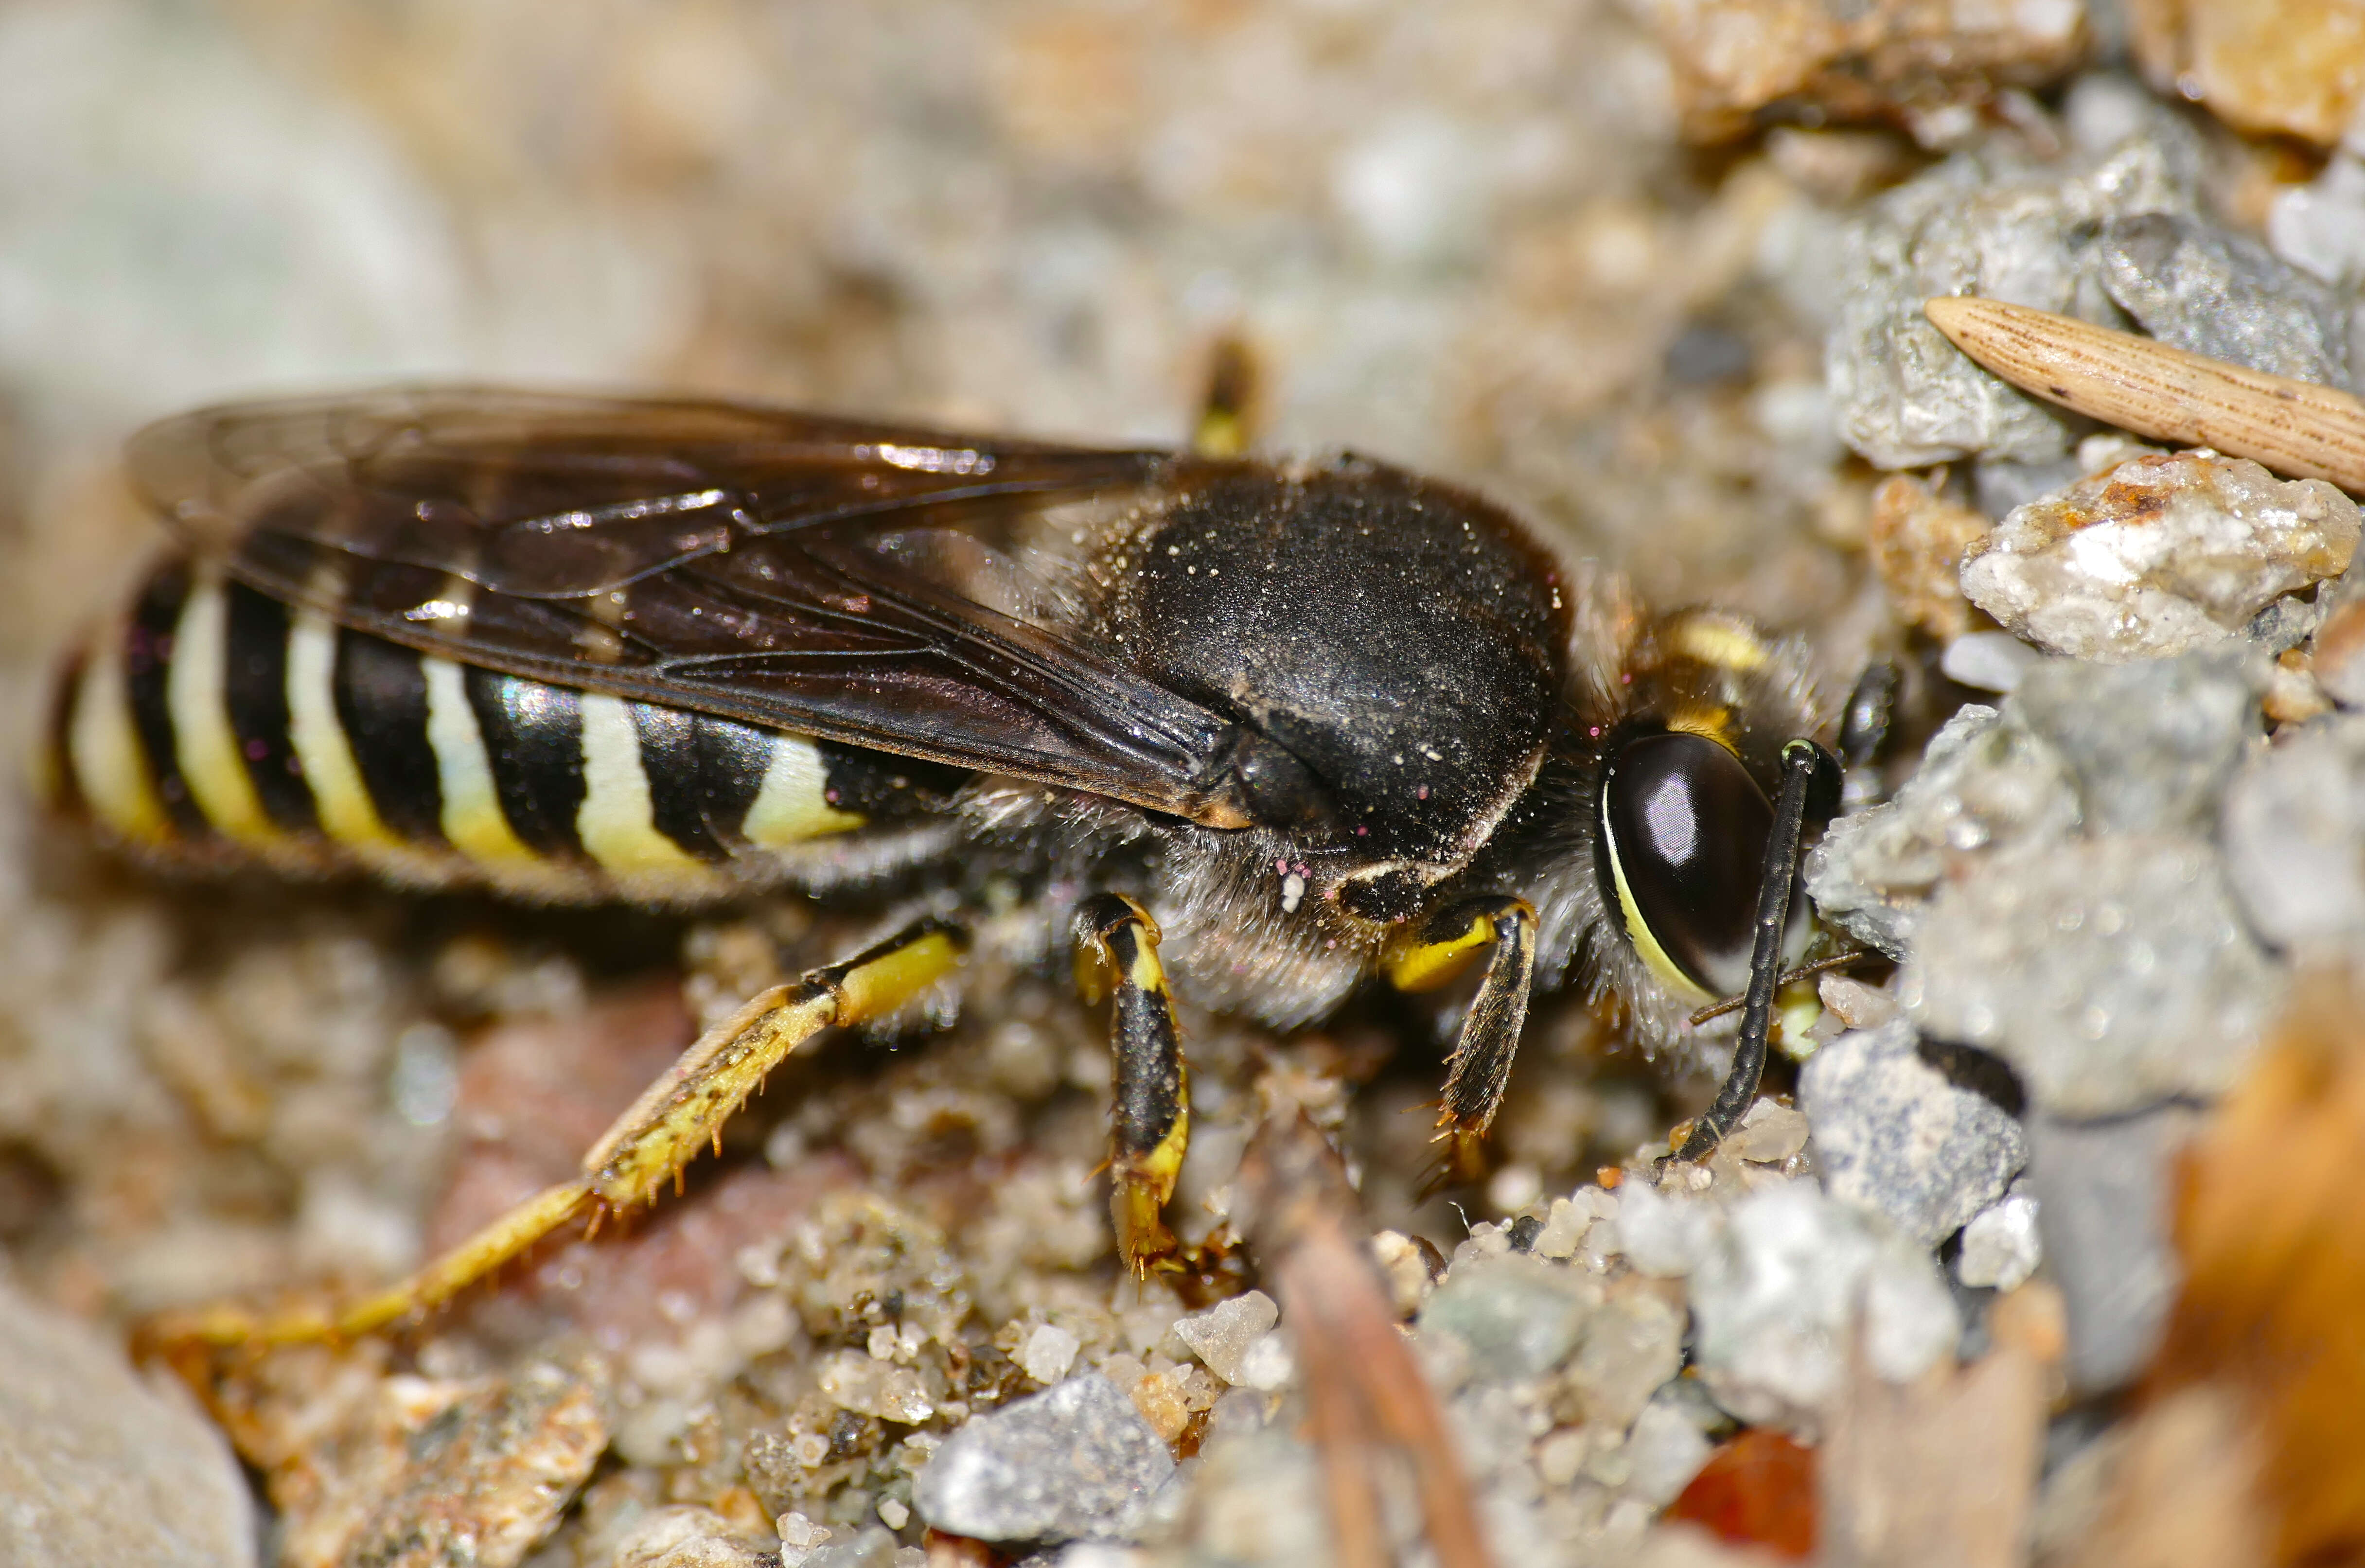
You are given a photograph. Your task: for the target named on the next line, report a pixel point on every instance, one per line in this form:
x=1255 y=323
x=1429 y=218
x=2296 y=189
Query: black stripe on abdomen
x=703 y=773
x=148 y=637
x=381 y=695
x=533 y=739
x=254 y=692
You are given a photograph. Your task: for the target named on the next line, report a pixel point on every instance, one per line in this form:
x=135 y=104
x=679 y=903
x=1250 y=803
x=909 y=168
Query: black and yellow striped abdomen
x=210 y=720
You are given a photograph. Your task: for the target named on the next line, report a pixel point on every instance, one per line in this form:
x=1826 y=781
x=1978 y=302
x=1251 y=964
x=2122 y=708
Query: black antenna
x=1804 y=765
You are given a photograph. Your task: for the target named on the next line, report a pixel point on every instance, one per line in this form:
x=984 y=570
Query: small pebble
x=1047 y=1354
x=1788 y=1272
x=2000 y=1245
x=2215 y=291
x=1664 y=1450
x=1988 y=661
x=1664 y=1234
x=1630 y=1345
x=1894 y=1138
x=2110 y=973
x=1267 y=1364
x=1856 y=1004
x=2102 y=1191
x=1221 y=1336
x=1078 y=1461
x=100 y=1469
x=1519 y=1315
x=1563 y=1230
x=1769 y=1133
x=2152 y=745
x=1406 y=1269
x=1904 y=398
x=2158 y=556
x=2294 y=836
x=687 y=1536
x=1986 y=781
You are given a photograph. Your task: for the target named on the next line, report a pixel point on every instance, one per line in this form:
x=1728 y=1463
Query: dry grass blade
x=1361 y=1379
x=2295 y=428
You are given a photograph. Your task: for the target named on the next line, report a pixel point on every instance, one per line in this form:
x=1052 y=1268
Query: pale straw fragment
x=2295 y=428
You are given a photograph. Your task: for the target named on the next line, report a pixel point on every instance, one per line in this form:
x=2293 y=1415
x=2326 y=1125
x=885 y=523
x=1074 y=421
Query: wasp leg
x=1150 y=1123
x=1433 y=950
x=644 y=1150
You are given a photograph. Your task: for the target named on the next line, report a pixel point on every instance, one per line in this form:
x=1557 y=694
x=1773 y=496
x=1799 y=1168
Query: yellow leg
x=1432 y=951
x=678 y=1115
x=1150 y=1130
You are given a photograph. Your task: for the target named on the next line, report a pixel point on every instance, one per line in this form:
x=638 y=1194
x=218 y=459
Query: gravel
x=2111 y=974
x=2158 y=555
x=1079 y=1461
x=1893 y=1137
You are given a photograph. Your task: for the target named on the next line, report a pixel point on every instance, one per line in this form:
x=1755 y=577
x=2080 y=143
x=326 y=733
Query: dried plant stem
x=2295 y=428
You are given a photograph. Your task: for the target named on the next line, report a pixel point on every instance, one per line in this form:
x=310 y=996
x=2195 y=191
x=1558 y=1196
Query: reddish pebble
x=1757 y=1490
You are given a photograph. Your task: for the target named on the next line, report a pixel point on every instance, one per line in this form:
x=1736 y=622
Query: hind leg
x=644 y=1150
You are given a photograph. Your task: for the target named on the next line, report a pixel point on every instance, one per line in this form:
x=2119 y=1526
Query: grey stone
x=2294 y=829
x=1792 y=1273
x=1893 y=1137
x=100 y=1469
x=1519 y=1315
x=1905 y=397
x=1077 y=1461
x=2190 y=283
x=2001 y=1245
x=2158 y=555
x=2102 y=1194
x=2151 y=744
x=1985 y=783
x=2111 y=973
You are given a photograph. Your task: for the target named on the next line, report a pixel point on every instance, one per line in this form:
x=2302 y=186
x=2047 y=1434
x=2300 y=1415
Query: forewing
x=738 y=560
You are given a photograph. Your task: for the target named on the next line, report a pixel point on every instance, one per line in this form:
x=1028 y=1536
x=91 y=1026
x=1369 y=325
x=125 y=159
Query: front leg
x=1116 y=949
x=1432 y=950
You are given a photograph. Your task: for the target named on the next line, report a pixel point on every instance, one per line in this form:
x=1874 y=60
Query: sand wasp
x=1274 y=730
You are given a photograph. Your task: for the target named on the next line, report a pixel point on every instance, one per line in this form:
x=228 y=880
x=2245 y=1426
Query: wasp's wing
x=737 y=560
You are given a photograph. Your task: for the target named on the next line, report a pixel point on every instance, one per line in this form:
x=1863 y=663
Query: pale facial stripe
x=615 y=822
x=103 y=748
x=793 y=805
x=204 y=742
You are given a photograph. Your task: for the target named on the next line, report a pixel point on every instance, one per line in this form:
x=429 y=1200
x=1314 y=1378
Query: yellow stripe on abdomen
x=203 y=741
x=793 y=804
x=616 y=821
x=103 y=749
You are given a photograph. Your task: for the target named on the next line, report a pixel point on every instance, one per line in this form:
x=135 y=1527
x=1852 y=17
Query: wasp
x=1261 y=732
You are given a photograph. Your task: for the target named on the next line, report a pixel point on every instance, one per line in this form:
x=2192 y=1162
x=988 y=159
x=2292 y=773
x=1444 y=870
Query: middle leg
x=1116 y=949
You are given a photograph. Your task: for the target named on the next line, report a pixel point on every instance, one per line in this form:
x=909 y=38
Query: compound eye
x=1682 y=849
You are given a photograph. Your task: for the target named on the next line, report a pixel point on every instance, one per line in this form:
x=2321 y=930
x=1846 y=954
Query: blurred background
x=1467 y=239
